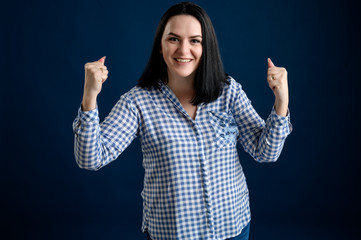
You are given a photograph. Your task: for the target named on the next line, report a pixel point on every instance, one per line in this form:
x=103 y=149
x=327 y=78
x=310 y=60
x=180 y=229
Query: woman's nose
x=183 y=48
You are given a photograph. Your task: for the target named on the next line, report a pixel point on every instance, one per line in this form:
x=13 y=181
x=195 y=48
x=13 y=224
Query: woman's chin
x=183 y=74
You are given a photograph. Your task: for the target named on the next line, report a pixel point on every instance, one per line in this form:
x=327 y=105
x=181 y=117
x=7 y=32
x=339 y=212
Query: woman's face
x=181 y=46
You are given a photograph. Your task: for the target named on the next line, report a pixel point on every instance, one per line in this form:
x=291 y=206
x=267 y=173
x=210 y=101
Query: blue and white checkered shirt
x=194 y=186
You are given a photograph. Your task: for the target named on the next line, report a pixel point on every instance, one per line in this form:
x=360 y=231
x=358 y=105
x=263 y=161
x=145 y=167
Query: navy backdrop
x=310 y=193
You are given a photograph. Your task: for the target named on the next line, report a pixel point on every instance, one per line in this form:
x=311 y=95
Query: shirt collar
x=169 y=93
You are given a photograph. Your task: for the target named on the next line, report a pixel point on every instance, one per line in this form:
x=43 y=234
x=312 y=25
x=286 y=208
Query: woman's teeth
x=183 y=60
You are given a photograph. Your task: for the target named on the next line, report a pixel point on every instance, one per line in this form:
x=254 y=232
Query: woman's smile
x=183 y=60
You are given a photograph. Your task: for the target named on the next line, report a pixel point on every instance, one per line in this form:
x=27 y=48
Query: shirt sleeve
x=263 y=140
x=95 y=144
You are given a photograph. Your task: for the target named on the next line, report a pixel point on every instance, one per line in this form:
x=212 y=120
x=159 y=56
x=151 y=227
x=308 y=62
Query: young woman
x=188 y=115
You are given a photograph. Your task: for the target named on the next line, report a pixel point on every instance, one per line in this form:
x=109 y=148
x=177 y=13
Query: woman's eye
x=173 y=39
x=195 y=41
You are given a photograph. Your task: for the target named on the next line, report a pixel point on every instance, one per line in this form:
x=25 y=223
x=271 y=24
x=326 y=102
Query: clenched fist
x=277 y=80
x=95 y=75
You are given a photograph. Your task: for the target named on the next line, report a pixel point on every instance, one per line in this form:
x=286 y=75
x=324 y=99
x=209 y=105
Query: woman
x=189 y=116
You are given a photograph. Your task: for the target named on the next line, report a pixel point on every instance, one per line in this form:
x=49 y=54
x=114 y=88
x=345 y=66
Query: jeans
x=243 y=236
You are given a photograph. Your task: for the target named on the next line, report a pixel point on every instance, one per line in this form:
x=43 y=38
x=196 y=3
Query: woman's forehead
x=183 y=25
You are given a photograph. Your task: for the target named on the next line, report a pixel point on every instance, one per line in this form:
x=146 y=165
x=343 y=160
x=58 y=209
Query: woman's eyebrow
x=173 y=34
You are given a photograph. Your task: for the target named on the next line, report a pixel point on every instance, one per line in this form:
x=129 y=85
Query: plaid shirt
x=194 y=186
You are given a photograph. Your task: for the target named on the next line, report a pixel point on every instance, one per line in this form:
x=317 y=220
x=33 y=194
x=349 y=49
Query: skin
x=182 y=39
x=277 y=81
x=96 y=74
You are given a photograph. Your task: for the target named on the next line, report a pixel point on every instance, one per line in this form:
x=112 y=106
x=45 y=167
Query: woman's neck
x=183 y=88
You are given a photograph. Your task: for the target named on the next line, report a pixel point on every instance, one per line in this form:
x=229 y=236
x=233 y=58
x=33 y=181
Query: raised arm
x=264 y=140
x=97 y=144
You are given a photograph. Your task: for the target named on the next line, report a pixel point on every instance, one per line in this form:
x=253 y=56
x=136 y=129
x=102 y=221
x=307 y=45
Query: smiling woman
x=189 y=117
x=182 y=48
x=197 y=36
x=182 y=51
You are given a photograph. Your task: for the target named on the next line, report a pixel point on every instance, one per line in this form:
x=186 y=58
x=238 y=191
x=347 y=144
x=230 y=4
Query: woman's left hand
x=277 y=80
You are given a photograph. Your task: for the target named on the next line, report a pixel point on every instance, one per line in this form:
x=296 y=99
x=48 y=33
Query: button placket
x=205 y=179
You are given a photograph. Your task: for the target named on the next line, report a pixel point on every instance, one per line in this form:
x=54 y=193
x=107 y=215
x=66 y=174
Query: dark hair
x=209 y=77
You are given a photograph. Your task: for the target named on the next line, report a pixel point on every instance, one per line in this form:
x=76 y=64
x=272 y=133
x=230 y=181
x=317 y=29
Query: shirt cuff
x=280 y=120
x=88 y=116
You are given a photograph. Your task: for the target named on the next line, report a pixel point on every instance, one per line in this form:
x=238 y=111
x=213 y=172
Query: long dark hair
x=210 y=76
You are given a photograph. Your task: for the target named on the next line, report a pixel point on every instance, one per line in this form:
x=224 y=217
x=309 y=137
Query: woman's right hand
x=95 y=75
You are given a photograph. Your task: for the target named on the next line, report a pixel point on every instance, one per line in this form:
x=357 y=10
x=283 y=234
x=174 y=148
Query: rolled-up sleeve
x=96 y=145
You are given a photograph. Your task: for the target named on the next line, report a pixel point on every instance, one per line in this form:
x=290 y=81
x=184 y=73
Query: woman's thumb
x=102 y=59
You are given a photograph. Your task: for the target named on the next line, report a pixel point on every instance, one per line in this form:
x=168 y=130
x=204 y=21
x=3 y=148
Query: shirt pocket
x=224 y=127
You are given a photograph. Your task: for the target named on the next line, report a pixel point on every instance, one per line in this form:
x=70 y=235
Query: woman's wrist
x=281 y=107
x=89 y=102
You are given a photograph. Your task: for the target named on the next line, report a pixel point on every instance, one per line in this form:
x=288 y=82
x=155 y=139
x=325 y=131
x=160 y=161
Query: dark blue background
x=310 y=193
